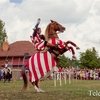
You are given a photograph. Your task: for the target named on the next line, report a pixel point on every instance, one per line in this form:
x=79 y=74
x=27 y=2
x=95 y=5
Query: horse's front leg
x=72 y=43
x=73 y=52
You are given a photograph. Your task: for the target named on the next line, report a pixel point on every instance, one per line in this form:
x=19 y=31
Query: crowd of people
x=75 y=73
x=80 y=74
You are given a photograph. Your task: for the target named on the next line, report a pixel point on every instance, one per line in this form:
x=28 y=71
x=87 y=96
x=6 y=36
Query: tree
x=67 y=62
x=2 y=32
x=63 y=61
x=90 y=58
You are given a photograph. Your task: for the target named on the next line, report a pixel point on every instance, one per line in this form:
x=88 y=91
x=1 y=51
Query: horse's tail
x=24 y=76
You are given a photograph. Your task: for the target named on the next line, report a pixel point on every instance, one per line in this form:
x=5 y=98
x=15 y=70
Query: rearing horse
x=51 y=35
x=42 y=63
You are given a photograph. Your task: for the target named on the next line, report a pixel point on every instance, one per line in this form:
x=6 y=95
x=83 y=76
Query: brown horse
x=51 y=35
x=42 y=63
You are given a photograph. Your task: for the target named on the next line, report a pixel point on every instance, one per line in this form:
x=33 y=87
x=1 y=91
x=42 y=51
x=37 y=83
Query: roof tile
x=18 y=48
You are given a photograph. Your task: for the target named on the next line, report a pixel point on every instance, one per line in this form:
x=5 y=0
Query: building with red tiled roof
x=15 y=52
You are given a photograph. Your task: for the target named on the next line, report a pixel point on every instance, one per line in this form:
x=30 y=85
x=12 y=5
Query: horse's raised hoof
x=77 y=48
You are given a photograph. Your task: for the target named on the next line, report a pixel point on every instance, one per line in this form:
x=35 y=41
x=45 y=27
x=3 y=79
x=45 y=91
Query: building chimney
x=5 y=45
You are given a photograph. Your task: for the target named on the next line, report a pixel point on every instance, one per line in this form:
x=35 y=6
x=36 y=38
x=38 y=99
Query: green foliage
x=2 y=32
x=74 y=63
x=90 y=58
x=63 y=61
x=66 y=62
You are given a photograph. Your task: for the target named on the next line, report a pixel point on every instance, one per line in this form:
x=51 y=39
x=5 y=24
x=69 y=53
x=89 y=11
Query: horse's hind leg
x=73 y=52
x=5 y=78
x=36 y=86
x=8 y=77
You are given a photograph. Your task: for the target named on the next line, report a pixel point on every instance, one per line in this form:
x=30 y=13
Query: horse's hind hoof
x=40 y=91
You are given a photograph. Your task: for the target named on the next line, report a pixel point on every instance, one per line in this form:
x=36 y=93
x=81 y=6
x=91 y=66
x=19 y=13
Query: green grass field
x=77 y=90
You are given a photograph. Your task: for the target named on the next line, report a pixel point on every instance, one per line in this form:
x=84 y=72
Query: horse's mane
x=50 y=31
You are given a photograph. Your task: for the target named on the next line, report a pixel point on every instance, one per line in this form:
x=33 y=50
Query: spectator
x=1 y=74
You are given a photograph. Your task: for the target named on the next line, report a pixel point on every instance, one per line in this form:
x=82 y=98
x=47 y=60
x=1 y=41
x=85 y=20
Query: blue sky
x=16 y=1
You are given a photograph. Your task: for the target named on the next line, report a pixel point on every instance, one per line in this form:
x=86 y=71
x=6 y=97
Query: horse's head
x=53 y=28
x=56 y=27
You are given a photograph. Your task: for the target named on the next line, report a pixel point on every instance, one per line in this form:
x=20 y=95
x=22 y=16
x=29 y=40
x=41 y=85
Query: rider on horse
x=42 y=62
x=55 y=46
x=39 y=40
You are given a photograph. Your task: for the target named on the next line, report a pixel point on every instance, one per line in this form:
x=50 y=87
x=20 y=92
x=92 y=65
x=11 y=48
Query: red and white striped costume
x=57 y=41
x=40 y=64
x=38 y=42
